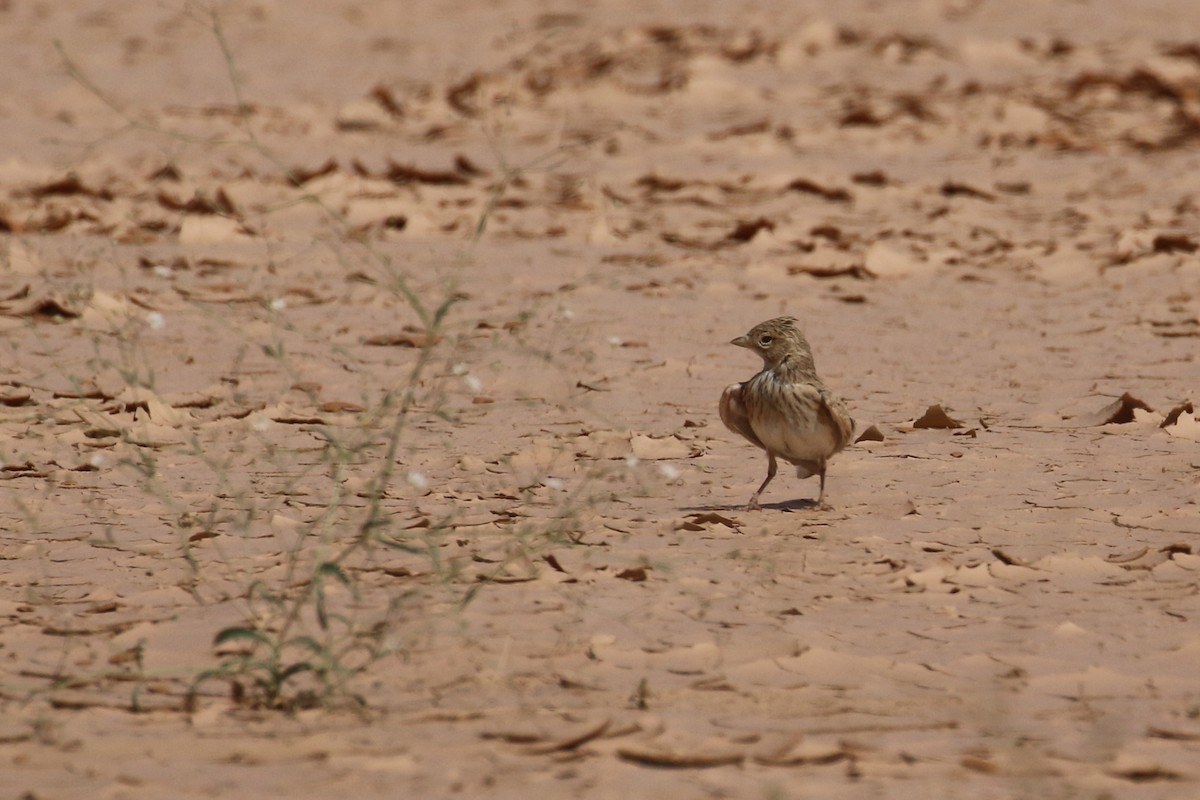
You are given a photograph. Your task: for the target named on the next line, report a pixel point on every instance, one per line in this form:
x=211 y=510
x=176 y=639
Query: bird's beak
x=741 y=341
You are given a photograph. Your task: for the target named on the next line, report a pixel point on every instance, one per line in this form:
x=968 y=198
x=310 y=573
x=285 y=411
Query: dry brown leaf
x=805 y=186
x=298 y=176
x=14 y=396
x=662 y=758
x=403 y=339
x=1167 y=243
x=199 y=203
x=285 y=416
x=194 y=400
x=698 y=521
x=875 y=178
x=218 y=293
x=745 y=230
x=70 y=184
x=19 y=293
x=23 y=469
x=571 y=741
x=465 y=166
x=635 y=574
x=509 y=574
x=387 y=100
x=1173 y=734
x=405 y=173
x=657 y=183
x=797 y=754
x=857 y=271
x=339 y=406
x=1004 y=558
x=47 y=306
x=679 y=240
x=936 y=417
x=1173 y=415
x=1143 y=558
x=871 y=434
x=463 y=96
x=1147 y=773
x=744 y=129
x=1118 y=412
x=956 y=189
x=134 y=399
x=304 y=295
x=979 y=764
x=103 y=424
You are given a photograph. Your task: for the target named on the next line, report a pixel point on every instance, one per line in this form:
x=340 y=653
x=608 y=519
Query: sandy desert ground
x=358 y=416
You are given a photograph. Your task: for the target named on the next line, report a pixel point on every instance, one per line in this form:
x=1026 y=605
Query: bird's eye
x=765 y=341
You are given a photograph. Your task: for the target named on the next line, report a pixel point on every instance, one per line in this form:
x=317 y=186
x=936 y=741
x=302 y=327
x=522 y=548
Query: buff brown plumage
x=786 y=409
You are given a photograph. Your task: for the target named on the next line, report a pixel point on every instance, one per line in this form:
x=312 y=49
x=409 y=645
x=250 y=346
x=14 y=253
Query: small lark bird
x=786 y=409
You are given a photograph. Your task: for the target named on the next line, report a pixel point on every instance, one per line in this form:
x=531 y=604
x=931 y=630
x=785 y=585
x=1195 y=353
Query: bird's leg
x=772 y=467
x=821 y=495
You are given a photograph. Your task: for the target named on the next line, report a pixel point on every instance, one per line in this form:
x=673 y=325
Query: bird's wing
x=837 y=417
x=733 y=414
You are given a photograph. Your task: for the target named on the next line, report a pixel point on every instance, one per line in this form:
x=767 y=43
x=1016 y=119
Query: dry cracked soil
x=358 y=420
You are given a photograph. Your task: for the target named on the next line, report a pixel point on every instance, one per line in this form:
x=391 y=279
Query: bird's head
x=779 y=342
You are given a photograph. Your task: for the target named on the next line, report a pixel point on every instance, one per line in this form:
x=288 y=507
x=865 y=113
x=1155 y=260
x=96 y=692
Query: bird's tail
x=806 y=469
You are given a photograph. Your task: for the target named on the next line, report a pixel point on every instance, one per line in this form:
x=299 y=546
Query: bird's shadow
x=804 y=504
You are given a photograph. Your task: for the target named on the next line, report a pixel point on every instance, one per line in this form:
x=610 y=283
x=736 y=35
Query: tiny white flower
x=163 y=271
x=615 y=341
x=460 y=369
x=155 y=320
x=417 y=480
x=260 y=422
x=278 y=304
x=473 y=383
x=669 y=471
x=632 y=461
x=97 y=460
x=568 y=313
x=554 y=483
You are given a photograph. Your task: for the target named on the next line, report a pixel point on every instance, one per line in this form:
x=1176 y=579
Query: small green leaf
x=235 y=633
x=295 y=669
x=330 y=568
x=308 y=643
x=403 y=546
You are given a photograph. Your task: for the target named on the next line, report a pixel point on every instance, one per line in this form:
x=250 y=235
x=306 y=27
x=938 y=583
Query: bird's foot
x=753 y=504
